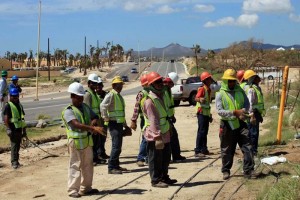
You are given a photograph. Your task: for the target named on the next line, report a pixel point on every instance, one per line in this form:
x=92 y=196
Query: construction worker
x=14 y=83
x=137 y=111
x=169 y=103
x=203 y=99
x=80 y=121
x=92 y=100
x=15 y=125
x=232 y=105
x=3 y=92
x=101 y=94
x=113 y=113
x=257 y=109
x=157 y=132
x=240 y=77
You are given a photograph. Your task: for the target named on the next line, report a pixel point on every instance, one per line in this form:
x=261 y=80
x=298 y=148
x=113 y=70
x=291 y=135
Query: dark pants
x=175 y=146
x=15 y=142
x=96 y=141
x=201 y=141
x=142 y=156
x=254 y=134
x=116 y=132
x=229 y=139
x=158 y=162
x=101 y=150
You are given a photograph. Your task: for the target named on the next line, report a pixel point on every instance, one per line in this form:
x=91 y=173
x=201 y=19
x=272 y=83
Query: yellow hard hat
x=249 y=73
x=117 y=79
x=229 y=74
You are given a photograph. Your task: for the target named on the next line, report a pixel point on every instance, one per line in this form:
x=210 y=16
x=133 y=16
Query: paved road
x=52 y=104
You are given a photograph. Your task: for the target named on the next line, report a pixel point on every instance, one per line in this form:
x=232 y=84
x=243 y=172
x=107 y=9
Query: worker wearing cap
x=15 y=125
x=113 y=113
x=101 y=94
x=3 y=92
x=14 y=83
x=257 y=109
x=92 y=100
x=232 y=105
x=240 y=77
x=203 y=99
x=157 y=132
x=169 y=103
x=137 y=111
x=80 y=121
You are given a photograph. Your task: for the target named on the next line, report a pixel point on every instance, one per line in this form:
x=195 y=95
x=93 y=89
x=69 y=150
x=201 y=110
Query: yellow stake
x=282 y=101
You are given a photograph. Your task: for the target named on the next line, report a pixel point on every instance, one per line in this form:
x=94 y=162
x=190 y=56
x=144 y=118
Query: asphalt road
x=52 y=104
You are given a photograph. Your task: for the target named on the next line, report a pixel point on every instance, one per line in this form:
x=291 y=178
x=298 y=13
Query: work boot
x=92 y=191
x=250 y=175
x=169 y=181
x=179 y=159
x=140 y=163
x=226 y=175
x=114 y=171
x=160 y=184
x=75 y=195
x=199 y=155
x=104 y=156
x=122 y=169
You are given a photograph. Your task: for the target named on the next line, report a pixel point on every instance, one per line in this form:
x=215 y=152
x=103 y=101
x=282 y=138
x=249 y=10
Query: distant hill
x=175 y=50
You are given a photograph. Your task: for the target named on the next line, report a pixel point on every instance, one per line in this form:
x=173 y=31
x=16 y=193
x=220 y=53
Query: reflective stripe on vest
x=17 y=117
x=81 y=138
x=205 y=106
x=260 y=106
x=228 y=104
x=119 y=108
x=169 y=103
x=163 y=122
x=95 y=106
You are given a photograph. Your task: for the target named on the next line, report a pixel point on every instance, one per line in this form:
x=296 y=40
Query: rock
x=41 y=124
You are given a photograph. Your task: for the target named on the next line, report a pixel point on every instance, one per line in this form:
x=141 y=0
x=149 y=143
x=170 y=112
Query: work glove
x=8 y=132
x=159 y=144
x=99 y=130
x=202 y=100
x=133 y=125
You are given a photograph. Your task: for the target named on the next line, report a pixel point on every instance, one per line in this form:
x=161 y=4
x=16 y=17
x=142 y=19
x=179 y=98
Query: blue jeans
x=142 y=156
x=116 y=132
x=254 y=134
x=201 y=141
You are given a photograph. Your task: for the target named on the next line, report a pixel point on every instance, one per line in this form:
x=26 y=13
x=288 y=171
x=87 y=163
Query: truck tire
x=176 y=103
x=192 y=98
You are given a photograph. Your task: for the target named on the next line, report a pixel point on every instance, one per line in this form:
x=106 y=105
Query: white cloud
x=166 y=10
x=295 y=18
x=204 y=8
x=244 y=20
x=270 y=6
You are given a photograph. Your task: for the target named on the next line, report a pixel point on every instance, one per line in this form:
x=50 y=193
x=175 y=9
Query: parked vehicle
x=268 y=72
x=187 y=90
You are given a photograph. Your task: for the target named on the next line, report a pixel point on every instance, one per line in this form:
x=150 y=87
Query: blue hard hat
x=14 y=78
x=14 y=92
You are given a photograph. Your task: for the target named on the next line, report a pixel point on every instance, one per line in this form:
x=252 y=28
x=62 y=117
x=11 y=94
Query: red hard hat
x=168 y=80
x=152 y=77
x=144 y=80
x=240 y=75
x=204 y=76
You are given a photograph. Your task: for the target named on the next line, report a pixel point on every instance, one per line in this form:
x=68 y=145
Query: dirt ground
x=44 y=177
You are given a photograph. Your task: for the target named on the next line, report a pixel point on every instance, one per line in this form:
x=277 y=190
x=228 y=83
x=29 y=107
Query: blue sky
x=146 y=23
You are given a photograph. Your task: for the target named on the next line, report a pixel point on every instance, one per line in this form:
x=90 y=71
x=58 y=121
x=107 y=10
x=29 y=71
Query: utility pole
x=38 y=52
x=85 y=56
x=139 y=57
x=48 y=59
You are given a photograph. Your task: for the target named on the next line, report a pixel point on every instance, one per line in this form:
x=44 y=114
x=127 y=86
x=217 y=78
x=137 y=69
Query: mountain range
x=175 y=50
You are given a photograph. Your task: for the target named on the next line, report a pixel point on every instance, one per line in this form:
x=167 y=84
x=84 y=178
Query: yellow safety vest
x=205 y=106
x=243 y=84
x=119 y=108
x=145 y=94
x=169 y=103
x=17 y=117
x=260 y=106
x=228 y=104
x=95 y=106
x=81 y=138
x=163 y=122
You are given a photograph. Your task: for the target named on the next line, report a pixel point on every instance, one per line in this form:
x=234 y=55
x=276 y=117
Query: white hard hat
x=99 y=80
x=76 y=88
x=93 y=78
x=173 y=76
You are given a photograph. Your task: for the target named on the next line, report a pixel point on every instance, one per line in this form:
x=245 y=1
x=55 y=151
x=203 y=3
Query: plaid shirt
x=137 y=108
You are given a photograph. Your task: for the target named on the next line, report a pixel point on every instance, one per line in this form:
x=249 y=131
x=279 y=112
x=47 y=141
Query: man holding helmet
x=15 y=125
x=232 y=105
x=14 y=83
x=80 y=121
x=203 y=99
x=157 y=132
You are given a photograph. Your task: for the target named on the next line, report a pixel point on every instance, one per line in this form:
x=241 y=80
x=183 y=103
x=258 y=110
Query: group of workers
x=93 y=113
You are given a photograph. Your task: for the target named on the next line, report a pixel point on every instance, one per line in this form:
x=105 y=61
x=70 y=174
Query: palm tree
x=197 y=50
x=30 y=59
x=71 y=60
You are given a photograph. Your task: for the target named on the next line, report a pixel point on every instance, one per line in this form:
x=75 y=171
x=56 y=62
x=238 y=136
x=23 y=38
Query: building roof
x=4 y=64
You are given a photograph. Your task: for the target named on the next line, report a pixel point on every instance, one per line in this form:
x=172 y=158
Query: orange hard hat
x=152 y=77
x=240 y=75
x=204 y=75
x=168 y=80
x=144 y=80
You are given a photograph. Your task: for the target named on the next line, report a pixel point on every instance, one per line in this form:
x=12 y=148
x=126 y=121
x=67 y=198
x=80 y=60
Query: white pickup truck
x=187 y=90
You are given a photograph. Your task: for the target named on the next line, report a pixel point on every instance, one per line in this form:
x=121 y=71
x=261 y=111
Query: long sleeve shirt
x=3 y=87
x=152 y=132
x=136 y=109
x=252 y=97
x=229 y=113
